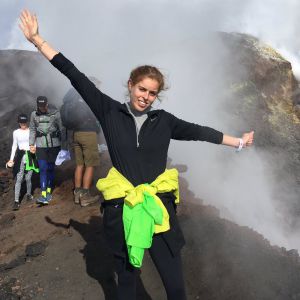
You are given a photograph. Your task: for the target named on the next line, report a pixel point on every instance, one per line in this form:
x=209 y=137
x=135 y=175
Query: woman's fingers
x=26 y=14
x=32 y=20
x=28 y=24
x=35 y=24
x=23 y=20
x=35 y=19
x=251 y=138
x=27 y=18
x=22 y=28
x=248 y=138
x=251 y=135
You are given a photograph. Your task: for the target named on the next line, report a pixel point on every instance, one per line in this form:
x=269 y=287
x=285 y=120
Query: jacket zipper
x=136 y=126
x=136 y=129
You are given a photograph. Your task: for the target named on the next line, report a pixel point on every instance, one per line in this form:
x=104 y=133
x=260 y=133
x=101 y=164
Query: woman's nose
x=146 y=95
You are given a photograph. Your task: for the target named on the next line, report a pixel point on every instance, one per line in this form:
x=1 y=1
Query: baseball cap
x=22 y=118
x=41 y=101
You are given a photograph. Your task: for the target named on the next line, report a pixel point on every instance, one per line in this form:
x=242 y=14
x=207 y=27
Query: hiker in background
x=18 y=159
x=78 y=117
x=138 y=187
x=45 y=139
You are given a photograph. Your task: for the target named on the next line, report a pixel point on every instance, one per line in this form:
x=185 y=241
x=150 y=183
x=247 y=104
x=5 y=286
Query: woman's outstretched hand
x=29 y=25
x=239 y=143
x=248 y=139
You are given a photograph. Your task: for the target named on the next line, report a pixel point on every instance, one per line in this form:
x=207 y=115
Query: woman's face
x=143 y=93
x=23 y=125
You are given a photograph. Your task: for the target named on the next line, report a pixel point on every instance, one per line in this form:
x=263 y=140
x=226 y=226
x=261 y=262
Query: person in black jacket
x=138 y=139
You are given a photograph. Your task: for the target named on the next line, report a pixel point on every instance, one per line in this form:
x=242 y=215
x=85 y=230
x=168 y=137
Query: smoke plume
x=107 y=39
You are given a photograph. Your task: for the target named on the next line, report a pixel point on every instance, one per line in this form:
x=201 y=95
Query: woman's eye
x=153 y=94
x=142 y=89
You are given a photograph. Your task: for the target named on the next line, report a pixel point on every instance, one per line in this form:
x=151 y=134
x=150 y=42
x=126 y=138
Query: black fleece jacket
x=142 y=160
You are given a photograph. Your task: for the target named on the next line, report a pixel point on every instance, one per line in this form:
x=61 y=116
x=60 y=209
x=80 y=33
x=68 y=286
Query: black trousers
x=168 y=266
x=165 y=252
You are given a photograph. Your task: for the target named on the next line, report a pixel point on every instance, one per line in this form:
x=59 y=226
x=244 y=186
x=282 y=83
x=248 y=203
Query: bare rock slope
x=265 y=95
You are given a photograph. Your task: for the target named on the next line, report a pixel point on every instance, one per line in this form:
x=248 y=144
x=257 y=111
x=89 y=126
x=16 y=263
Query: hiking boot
x=42 y=200
x=86 y=199
x=16 y=205
x=77 y=194
x=29 y=197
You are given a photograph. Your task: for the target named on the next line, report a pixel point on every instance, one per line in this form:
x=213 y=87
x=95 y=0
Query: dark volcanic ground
x=59 y=252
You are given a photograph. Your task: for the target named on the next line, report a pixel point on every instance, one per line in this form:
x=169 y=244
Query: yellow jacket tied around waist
x=143 y=213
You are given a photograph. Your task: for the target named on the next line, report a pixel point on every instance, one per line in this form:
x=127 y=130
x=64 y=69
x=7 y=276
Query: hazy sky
x=275 y=21
x=108 y=38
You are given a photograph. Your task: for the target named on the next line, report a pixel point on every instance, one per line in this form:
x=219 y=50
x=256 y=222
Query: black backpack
x=75 y=113
x=68 y=111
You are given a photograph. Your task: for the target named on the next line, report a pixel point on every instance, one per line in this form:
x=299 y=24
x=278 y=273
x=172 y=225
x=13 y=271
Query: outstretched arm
x=99 y=103
x=30 y=27
x=182 y=130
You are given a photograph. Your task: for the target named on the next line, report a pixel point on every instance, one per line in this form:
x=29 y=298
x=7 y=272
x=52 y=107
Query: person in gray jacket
x=45 y=139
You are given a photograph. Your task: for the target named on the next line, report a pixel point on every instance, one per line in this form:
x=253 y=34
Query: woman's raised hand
x=29 y=25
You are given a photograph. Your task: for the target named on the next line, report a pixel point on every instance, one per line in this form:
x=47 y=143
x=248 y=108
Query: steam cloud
x=108 y=38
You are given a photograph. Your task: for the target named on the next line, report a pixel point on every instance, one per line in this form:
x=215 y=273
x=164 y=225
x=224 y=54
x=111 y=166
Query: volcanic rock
x=36 y=249
x=263 y=95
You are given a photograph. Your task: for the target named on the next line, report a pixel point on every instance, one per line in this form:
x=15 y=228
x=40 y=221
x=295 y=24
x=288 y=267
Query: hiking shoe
x=42 y=200
x=49 y=197
x=86 y=199
x=77 y=194
x=29 y=197
x=16 y=205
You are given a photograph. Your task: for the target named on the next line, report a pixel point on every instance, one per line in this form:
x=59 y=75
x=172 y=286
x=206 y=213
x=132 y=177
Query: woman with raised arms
x=140 y=194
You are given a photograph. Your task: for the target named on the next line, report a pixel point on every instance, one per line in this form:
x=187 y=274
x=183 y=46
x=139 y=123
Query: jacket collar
x=152 y=113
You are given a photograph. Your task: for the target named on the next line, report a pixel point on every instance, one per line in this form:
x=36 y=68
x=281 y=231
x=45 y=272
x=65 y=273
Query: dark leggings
x=168 y=267
x=46 y=174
